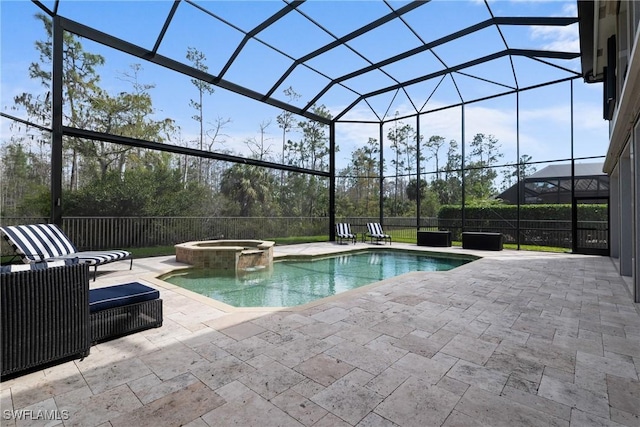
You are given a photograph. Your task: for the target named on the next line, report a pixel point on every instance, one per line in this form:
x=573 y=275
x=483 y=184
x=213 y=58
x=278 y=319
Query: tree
x=215 y=168
x=153 y=191
x=524 y=167
x=402 y=137
x=311 y=152
x=449 y=187
x=434 y=144
x=87 y=106
x=198 y=59
x=22 y=181
x=412 y=189
x=361 y=175
x=128 y=114
x=286 y=122
x=80 y=85
x=257 y=146
x=480 y=176
x=249 y=190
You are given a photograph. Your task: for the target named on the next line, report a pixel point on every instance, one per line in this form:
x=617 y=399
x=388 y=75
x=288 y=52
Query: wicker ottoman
x=123 y=309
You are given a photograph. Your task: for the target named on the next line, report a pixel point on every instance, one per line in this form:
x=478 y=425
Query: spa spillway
x=226 y=254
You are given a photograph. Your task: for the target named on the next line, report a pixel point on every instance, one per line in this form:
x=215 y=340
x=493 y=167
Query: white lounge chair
x=343 y=232
x=375 y=232
x=47 y=242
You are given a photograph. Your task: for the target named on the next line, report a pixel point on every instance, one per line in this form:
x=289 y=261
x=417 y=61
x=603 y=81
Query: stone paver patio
x=512 y=339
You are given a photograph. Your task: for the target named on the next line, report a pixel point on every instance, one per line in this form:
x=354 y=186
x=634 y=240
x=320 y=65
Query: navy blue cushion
x=120 y=295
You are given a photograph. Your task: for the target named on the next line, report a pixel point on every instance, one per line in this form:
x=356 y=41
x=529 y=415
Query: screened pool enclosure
x=187 y=117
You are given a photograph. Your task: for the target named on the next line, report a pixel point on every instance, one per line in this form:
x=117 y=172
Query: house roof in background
x=564 y=171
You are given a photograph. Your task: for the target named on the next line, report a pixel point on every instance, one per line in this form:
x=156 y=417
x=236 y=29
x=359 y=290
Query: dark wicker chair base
x=119 y=321
x=44 y=317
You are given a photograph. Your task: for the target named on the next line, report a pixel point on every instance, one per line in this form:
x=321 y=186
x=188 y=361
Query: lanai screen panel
x=261 y=48
x=361 y=61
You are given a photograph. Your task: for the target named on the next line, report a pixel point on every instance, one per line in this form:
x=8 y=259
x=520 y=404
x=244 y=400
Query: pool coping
x=227 y=308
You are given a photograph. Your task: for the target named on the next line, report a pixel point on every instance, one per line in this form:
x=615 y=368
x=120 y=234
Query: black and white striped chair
x=47 y=242
x=343 y=232
x=375 y=232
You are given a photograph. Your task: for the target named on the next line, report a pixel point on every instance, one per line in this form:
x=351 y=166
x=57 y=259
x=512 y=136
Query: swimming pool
x=294 y=282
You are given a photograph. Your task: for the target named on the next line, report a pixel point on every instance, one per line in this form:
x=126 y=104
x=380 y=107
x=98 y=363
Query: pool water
x=291 y=283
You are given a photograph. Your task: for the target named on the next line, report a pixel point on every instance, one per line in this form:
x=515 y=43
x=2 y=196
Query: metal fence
x=95 y=233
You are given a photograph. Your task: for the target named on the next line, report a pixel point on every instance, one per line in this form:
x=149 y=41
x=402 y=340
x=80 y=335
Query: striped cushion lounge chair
x=343 y=231
x=47 y=242
x=375 y=232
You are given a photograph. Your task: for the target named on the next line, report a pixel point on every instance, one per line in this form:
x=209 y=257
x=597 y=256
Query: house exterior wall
x=622 y=163
x=635 y=160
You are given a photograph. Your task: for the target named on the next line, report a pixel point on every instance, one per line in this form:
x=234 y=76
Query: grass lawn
x=170 y=250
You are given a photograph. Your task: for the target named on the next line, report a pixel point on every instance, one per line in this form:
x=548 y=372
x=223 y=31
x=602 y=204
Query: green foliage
x=429 y=204
x=550 y=212
x=359 y=194
x=35 y=203
x=24 y=190
x=138 y=192
x=248 y=190
x=106 y=179
x=412 y=189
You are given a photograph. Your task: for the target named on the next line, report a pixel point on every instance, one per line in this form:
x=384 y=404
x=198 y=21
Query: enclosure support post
x=418 y=186
x=381 y=181
x=332 y=181
x=462 y=171
x=519 y=168
x=56 y=123
x=574 y=206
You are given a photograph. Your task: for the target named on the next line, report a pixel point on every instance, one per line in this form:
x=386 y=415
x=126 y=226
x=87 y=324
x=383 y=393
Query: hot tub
x=226 y=254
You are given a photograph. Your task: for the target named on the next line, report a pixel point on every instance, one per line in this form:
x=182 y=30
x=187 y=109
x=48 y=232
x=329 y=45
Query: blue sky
x=544 y=114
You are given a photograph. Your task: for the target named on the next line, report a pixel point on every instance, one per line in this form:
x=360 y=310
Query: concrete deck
x=513 y=339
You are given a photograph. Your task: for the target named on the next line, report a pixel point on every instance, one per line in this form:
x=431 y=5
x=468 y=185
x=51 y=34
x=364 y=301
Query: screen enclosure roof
x=364 y=56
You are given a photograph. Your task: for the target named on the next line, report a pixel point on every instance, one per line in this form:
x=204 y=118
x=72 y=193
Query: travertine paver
x=418 y=403
x=98 y=408
x=624 y=394
x=221 y=372
x=248 y=409
x=574 y=396
x=148 y=393
x=170 y=361
x=361 y=357
x=540 y=403
x=349 y=398
x=490 y=409
x=177 y=408
x=608 y=365
x=299 y=407
x=111 y=375
x=422 y=367
x=248 y=348
x=271 y=380
x=470 y=349
x=243 y=330
x=479 y=376
x=513 y=339
x=324 y=369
